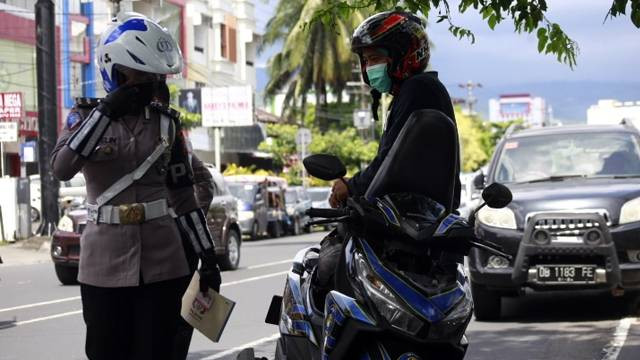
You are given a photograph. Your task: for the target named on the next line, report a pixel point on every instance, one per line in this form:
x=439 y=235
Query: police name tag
x=208 y=313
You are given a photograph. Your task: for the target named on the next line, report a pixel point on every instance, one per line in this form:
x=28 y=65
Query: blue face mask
x=379 y=78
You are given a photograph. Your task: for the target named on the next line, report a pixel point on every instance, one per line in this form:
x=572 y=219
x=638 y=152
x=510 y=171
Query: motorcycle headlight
x=630 y=211
x=385 y=301
x=65 y=224
x=500 y=218
x=245 y=215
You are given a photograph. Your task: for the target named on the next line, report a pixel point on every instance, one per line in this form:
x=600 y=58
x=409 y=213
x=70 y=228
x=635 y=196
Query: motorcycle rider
x=131 y=150
x=393 y=49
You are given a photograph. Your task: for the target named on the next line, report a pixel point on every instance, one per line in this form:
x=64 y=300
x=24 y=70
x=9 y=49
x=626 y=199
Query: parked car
x=574 y=220
x=320 y=200
x=74 y=188
x=319 y=196
x=222 y=220
x=297 y=201
x=65 y=245
x=260 y=201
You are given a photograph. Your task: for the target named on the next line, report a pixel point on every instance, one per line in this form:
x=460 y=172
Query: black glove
x=119 y=102
x=209 y=275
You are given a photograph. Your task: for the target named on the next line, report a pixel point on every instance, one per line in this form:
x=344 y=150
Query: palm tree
x=315 y=57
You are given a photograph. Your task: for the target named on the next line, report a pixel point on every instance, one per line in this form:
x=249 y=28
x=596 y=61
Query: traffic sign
x=362 y=119
x=8 y=131
x=303 y=137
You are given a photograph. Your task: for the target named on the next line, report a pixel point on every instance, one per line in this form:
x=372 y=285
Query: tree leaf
x=492 y=21
x=635 y=17
x=542 y=42
x=542 y=32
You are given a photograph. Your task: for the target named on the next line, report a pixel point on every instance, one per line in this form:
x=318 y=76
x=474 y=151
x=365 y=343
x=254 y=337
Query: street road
x=41 y=319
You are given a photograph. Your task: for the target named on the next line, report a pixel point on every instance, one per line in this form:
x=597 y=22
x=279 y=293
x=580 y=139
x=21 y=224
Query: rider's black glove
x=119 y=102
x=209 y=274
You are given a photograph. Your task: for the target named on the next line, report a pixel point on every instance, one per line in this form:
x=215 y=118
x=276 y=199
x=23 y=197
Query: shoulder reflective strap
x=126 y=181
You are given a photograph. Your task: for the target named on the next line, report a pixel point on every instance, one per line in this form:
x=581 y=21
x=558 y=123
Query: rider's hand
x=339 y=193
x=118 y=102
x=209 y=274
x=209 y=278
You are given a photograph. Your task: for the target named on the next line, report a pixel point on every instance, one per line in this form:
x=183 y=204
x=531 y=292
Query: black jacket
x=423 y=91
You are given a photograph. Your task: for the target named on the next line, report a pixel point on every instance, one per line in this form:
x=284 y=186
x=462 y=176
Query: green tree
x=346 y=144
x=281 y=143
x=314 y=59
x=527 y=16
x=473 y=136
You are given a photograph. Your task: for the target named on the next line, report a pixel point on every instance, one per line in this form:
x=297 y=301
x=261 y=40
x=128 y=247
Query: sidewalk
x=26 y=252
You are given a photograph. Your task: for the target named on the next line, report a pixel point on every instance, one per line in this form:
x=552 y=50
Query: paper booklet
x=207 y=313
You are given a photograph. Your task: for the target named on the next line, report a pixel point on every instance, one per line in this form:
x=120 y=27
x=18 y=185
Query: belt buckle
x=93 y=213
x=131 y=214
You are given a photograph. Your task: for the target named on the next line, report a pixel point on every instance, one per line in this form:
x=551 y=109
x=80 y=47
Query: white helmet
x=132 y=40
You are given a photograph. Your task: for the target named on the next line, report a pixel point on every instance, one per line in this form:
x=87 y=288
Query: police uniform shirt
x=116 y=255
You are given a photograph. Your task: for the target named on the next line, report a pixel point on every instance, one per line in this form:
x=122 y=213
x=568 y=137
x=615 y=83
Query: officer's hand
x=209 y=278
x=119 y=102
x=339 y=193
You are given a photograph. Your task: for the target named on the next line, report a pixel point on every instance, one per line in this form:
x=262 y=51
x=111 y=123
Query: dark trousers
x=328 y=259
x=136 y=323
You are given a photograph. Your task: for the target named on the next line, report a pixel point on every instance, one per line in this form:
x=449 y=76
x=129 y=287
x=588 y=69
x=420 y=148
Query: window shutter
x=233 y=56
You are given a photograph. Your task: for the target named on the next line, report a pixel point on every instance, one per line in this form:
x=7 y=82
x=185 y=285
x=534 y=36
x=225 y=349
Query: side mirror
x=325 y=167
x=478 y=181
x=497 y=196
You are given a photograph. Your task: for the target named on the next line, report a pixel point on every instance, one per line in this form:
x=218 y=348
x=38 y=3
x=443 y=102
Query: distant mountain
x=569 y=100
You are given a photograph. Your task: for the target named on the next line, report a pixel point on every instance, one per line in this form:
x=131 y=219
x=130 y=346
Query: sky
x=502 y=60
x=609 y=51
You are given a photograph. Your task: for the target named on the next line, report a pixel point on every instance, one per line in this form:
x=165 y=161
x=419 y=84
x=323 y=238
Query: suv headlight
x=65 y=224
x=245 y=215
x=630 y=211
x=500 y=218
x=385 y=301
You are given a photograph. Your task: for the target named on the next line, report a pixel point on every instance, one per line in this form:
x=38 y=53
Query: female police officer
x=133 y=156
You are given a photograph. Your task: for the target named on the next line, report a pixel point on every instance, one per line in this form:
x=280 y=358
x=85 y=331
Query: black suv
x=574 y=222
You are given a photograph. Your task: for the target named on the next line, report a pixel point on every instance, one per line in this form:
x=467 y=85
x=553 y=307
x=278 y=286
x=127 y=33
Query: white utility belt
x=129 y=214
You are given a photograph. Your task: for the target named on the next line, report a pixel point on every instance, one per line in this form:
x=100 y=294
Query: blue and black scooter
x=401 y=291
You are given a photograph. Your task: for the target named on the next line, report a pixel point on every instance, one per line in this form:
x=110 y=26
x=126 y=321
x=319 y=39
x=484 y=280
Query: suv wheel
x=486 y=304
x=254 y=230
x=296 y=226
x=68 y=275
x=231 y=259
x=276 y=229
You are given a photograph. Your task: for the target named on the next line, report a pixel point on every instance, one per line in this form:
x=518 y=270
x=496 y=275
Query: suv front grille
x=602 y=212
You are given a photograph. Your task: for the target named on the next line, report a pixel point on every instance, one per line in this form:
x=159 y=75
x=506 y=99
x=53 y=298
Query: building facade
x=533 y=111
x=610 y=111
x=218 y=40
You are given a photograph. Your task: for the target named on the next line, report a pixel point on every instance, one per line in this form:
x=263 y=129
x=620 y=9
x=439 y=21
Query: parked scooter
x=399 y=293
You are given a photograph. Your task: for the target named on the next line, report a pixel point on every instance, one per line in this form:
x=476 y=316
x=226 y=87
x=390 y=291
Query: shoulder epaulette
x=86 y=102
x=165 y=109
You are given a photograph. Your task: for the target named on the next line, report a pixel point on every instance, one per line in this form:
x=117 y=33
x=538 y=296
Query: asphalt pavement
x=41 y=319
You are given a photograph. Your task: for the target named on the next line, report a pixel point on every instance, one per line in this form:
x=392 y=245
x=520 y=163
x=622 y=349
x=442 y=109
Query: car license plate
x=566 y=274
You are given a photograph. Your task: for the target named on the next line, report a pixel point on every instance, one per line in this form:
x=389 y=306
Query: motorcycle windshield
x=423 y=160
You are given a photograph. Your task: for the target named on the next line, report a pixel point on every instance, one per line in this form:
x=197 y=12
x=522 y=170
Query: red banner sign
x=10 y=105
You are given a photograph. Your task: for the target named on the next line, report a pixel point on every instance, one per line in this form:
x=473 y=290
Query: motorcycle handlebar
x=326 y=213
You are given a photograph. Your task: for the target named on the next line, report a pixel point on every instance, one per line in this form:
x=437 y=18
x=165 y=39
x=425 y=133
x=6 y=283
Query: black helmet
x=399 y=32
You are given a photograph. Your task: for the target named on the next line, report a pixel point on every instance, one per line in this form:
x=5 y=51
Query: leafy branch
x=527 y=16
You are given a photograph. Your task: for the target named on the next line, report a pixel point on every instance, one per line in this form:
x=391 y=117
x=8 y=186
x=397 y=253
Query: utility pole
x=471 y=99
x=47 y=112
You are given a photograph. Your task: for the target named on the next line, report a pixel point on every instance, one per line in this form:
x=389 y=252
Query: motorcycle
x=400 y=290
